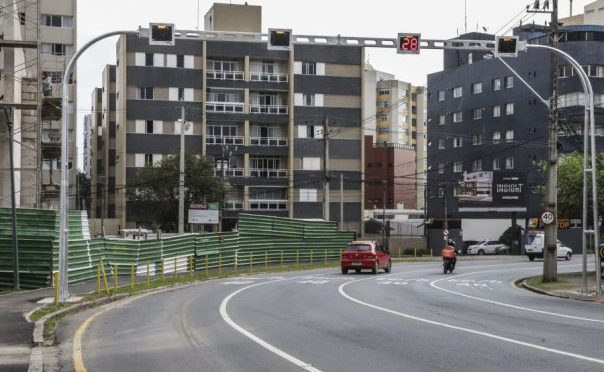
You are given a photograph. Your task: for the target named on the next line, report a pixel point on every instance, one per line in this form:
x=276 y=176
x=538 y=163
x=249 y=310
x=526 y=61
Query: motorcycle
x=448 y=265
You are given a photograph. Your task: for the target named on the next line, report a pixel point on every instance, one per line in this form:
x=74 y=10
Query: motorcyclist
x=448 y=252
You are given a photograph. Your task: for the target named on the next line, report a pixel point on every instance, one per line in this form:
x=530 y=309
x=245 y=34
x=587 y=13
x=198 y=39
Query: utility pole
x=326 y=170
x=341 y=201
x=13 y=203
x=181 y=182
x=384 y=214
x=550 y=269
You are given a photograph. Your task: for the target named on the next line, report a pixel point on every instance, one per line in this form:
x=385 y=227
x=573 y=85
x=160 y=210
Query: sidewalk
x=16 y=332
x=569 y=285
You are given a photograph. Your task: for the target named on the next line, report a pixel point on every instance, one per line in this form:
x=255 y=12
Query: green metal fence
x=260 y=240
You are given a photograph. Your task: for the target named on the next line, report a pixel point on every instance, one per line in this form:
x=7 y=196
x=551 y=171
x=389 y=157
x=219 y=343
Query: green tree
x=154 y=194
x=570 y=185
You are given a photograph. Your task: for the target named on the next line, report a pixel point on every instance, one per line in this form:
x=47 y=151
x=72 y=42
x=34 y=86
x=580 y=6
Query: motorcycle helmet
x=451 y=242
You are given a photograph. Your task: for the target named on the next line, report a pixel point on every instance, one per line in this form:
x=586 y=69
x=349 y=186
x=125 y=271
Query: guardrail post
x=282 y=268
x=190 y=267
x=399 y=252
x=131 y=276
x=105 y=278
x=175 y=267
x=115 y=279
x=265 y=260
x=148 y=272
x=219 y=264
x=311 y=258
x=207 y=266
x=251 y=262
x=98 y=279
x=162 y=271
x=325 y=257
x=297 y=260
x=56 y=289
x=414 y=254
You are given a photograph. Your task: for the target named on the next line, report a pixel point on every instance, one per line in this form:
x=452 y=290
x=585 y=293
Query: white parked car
x=487 y=247
x=535 y=249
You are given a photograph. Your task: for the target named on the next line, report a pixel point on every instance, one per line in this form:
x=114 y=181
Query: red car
x=360 y=255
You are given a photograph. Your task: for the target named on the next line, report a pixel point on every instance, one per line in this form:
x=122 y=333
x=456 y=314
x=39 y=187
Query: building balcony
x=225 y=75
x=268 y=109
x=233 y=205
x=226 y=140
x=51 y=108
x=268 y=173
x=268 y=205
x=268 y=141
x=225 y=107
x=229 y=172
x=269 y=77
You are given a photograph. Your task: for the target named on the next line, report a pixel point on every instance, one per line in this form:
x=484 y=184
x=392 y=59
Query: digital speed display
x=408 y=43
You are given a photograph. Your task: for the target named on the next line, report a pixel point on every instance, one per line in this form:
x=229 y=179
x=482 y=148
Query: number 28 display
x=408 y=43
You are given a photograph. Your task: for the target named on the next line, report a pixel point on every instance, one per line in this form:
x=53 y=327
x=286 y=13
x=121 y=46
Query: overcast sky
x=434 y=19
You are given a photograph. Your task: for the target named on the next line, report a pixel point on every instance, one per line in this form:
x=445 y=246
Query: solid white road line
x=466 y=330
x=433 y=285
x=225 y=316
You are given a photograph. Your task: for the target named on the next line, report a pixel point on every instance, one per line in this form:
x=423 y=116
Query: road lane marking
x=466 y=330
x=225 y=316
x=433 y=285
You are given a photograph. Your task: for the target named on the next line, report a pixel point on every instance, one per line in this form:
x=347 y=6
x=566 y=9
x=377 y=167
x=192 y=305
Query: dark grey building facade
x=483 y=120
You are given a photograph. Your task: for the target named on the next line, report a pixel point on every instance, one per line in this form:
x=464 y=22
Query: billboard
x=203 y=213
x=491 y=189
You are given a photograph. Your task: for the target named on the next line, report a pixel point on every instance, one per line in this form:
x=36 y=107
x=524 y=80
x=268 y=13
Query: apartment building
x=33 y=76
x=256 y=114
x=395 y=116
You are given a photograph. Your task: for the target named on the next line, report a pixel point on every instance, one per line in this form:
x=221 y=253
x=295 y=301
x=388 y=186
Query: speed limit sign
x=547 y=218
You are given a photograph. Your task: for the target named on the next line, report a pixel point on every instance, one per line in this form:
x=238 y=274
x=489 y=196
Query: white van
x=534 y=248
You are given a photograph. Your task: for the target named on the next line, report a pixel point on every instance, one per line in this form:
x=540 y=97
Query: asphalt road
x=415 y=319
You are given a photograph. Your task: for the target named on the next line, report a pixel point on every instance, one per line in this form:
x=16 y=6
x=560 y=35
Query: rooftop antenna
x=197 y=15
x=465 y=10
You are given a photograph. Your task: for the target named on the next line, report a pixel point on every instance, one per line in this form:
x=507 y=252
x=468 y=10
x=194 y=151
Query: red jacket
x=448 y=252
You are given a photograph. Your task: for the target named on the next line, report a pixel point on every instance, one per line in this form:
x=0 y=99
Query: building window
x=310 y=131
x=56 y=20
x=56 y=77
x=476 y=88
x=309 y=68
x=441 y=95
x=383 y=92
x=509 y=82
x=509 y=162
x=180 y=60
x=441 y=168
x=496 y=137
x=457 y=142
x=441 y=192
x=149 y=59
x=457 y=117
x=457 y=92
x=308 y=195
x=496 y=84
x=477 y=113
x=477 y=139
x=509 y=109
x=458 y=167
x=148 y=160
x=56 y=49
x=496 y=165
x=145 y=93
x=509 y=135
x=441 y=143
x=149 y=127
x=308 y=99
x=442 y=119
x=311 y=163
x=477 y=165
x=496 y=111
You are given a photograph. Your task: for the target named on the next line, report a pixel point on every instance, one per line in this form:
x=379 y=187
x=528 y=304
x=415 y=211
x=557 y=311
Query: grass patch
x=537 y=282
x=42 y=312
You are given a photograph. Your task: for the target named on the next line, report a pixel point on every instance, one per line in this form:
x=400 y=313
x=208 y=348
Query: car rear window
x=358 y=247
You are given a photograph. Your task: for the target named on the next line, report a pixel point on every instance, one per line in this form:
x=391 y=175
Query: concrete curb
x=522 y=284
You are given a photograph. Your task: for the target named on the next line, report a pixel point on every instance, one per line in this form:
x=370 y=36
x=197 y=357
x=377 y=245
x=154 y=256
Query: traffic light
x=279 y=39
x=161 y=34
x=507 y=46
